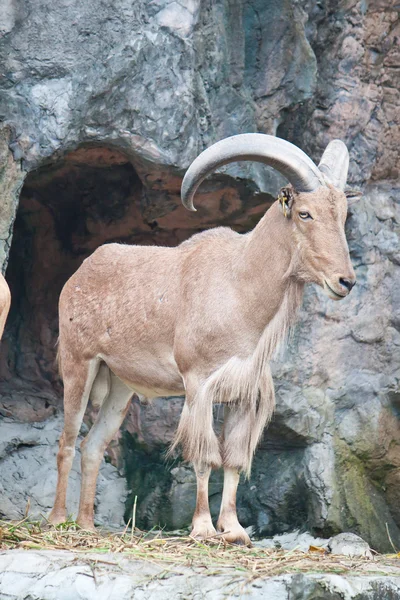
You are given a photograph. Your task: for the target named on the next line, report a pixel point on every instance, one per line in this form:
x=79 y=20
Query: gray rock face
x=102 y=109
x=47 y=575
x=29 y=475
x=152 y=79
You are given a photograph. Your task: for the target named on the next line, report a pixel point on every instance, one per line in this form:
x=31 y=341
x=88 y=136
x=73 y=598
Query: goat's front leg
x=200 y=447
x=202 y=526
x=228 y=522
x=239 y=438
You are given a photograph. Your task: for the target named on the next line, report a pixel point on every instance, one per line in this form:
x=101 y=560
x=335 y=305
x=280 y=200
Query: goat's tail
x=195 y=431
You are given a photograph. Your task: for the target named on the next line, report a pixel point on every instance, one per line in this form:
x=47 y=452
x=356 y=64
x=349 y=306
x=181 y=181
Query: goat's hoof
x=203 y=531
x=238 y=540
x=86 y=524
x=234 y=534
x=56 y=517
x=241 y=540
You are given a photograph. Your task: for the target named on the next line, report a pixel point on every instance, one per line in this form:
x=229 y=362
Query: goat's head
x=315 y=202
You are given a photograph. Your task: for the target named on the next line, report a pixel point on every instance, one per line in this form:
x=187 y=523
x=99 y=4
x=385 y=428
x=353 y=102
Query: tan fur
x=202 y=319
x=101 y=386
x=58 y=358
x=5 y=302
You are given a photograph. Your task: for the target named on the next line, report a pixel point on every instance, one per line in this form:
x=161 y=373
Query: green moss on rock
x=357 y=504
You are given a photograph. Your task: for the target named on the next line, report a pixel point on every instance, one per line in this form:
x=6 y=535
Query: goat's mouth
x=330 y=292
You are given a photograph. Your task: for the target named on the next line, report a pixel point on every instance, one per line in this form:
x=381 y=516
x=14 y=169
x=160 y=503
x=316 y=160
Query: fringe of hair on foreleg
x=247 y=384
x=244 y=381
x=195 y=433
x=244 y=426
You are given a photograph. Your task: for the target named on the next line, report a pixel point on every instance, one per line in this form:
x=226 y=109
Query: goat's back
x=156 y=308
x=120 y=293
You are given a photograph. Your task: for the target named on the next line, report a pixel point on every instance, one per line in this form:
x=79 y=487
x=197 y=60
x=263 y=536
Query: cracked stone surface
x=102 y=109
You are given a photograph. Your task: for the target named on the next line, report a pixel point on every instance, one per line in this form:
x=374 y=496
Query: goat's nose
x=347 y=283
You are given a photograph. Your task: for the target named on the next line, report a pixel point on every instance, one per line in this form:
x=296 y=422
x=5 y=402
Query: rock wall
x=102 y=109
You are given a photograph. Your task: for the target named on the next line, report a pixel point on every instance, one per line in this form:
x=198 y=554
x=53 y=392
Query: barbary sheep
x=202 y=320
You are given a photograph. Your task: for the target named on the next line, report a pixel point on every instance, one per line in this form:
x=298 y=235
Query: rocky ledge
x=62 y=575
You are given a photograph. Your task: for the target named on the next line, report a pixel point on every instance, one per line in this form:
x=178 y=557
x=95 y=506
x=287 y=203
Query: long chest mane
x=244 y=380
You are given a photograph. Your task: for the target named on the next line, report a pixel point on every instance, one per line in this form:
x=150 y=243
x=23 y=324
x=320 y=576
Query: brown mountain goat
x=202 y=319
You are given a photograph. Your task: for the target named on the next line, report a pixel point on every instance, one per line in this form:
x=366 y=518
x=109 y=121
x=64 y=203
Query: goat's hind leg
x=78 y=379
x=109 y=420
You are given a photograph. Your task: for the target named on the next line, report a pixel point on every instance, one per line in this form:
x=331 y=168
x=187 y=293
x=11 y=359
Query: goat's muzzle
x=339 y=287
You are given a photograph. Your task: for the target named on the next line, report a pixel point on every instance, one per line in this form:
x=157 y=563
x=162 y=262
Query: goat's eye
x=305 y=215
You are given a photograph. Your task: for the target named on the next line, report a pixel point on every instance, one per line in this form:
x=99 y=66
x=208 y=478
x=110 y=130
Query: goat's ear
x=285 y=199
x=352 y=195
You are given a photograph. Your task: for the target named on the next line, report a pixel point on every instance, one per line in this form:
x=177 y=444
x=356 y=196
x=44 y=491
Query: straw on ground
x=214 y=554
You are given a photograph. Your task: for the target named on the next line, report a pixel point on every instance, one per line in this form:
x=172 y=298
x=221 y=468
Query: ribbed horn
x=334 y=163
x=283 y=156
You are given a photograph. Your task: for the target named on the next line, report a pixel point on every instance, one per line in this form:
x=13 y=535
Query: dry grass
x=213 y=555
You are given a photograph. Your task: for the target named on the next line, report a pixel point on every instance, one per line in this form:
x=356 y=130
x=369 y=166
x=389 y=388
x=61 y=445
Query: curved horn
x=286 y=158
x=334 y=163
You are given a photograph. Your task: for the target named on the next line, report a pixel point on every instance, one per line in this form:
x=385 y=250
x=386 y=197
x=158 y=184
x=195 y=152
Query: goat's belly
x=150 y=393
x=149 y=376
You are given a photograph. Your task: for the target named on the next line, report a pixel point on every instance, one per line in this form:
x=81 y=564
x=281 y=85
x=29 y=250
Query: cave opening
x=91 y=196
